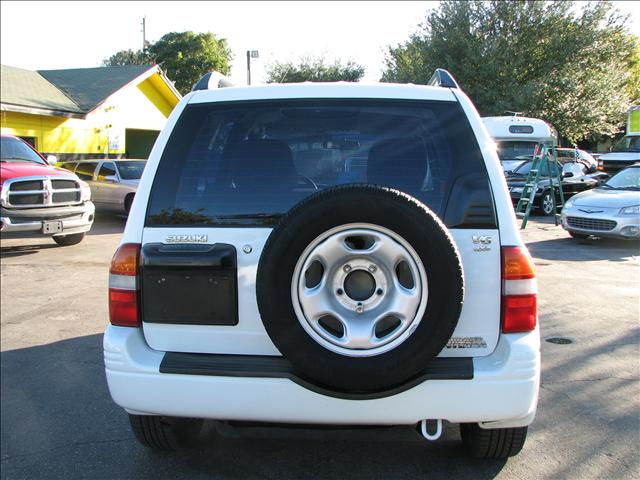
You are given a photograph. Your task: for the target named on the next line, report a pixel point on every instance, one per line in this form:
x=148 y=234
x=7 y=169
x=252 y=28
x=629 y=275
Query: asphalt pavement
x=58 y=421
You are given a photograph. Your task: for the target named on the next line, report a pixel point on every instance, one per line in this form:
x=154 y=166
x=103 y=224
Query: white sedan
x=610 y=210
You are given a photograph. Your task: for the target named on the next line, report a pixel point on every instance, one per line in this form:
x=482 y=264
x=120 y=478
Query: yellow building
x=87 y=112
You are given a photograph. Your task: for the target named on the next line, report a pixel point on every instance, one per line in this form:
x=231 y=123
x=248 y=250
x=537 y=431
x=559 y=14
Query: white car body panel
x=630 y=157
x=504 y=389
x=498 y=128
x=479 y=319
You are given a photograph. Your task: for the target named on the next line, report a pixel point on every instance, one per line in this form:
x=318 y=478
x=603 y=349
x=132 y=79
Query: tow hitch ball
x=430 y=429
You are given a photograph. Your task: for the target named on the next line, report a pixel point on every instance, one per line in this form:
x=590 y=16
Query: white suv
x=336 y=254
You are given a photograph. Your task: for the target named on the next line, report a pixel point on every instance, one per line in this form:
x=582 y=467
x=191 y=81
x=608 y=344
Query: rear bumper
x=28 y=223
x=503 y=391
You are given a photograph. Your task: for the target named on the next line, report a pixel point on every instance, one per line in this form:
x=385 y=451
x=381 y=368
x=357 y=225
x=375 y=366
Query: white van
x=516 y=137
x=626 y=151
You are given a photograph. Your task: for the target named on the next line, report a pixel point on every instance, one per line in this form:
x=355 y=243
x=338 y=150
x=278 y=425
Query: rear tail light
x=124 y=295
x=519 y=291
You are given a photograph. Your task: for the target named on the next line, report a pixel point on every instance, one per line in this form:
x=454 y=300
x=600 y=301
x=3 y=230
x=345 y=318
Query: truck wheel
x=68 y=240
x=165 y=433
x=360 y=287
x=492 y=443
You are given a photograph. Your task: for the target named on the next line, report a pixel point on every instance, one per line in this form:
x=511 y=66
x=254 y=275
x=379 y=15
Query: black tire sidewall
x=371 y=205
x=69 y=240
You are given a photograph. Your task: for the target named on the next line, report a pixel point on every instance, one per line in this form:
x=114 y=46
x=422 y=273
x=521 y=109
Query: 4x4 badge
x=198 y=238
x=482 y=243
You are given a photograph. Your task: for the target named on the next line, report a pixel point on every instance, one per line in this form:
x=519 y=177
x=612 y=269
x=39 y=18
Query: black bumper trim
x=262 y=366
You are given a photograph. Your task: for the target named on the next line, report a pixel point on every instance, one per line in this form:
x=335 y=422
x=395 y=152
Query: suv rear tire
x=492 y=443
x=68 y=240
x=165 y=433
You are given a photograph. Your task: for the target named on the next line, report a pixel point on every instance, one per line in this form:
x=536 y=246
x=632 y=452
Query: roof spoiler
x=211 y=81
x=442 y=78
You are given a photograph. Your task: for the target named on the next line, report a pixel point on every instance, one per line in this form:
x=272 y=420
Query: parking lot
x=58 y=420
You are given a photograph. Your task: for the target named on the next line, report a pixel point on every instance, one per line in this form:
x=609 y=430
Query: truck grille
x=39 y=192
x=591 y=223
x=616 y=165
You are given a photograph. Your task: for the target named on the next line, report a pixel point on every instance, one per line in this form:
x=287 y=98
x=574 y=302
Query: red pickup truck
x=38 y=199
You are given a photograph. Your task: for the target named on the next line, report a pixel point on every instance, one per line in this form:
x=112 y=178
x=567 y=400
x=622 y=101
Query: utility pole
x=248 y=67
x=250 y=54
x=144 y=34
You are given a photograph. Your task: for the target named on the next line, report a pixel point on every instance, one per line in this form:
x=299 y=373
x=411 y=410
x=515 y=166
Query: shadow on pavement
x=20 y=250
x=107 y=224
x=58 y=421
x=571 y=249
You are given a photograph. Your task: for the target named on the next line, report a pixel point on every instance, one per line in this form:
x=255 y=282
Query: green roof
x=28 y=88
x=77 y=90
x=88 y=87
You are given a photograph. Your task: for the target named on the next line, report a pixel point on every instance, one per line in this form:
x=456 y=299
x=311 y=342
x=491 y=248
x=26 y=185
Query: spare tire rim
x=359 y=290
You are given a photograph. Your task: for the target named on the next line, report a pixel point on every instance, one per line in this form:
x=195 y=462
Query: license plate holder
x=52 y=227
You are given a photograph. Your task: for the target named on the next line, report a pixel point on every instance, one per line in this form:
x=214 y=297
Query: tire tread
x=162 y=433
x=492 y=443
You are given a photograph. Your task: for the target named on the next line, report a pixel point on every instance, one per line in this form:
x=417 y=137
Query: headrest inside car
x=400 y=163
x=261 y=164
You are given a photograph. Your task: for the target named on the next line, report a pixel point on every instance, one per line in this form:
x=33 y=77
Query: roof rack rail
x=442 y=78
x=212 y=80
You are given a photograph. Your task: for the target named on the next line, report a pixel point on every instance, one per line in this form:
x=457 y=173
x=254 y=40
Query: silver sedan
x=113 y=182
x=610 y=210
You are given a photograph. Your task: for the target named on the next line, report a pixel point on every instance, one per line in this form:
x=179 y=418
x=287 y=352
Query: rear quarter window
x=248 y=163
x=85 y=170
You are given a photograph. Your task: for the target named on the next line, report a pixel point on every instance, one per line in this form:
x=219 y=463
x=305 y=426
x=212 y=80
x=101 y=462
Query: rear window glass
x=85 y=170
x=515 y=150
x=69 y=166
x=130 y=170
x=248 y=163
x=107 y=169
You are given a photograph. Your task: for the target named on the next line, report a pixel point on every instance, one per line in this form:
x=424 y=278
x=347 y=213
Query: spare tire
x=359 y=287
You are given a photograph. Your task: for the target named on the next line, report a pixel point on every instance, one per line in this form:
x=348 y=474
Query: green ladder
x=544 y=155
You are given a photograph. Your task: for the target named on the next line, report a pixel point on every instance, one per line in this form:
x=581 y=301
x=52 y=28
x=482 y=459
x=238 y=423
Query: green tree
x=314 y=69
x=184 y=56
x=633 y=86
x=128 y=57
x=534 y=57
x=187 y=56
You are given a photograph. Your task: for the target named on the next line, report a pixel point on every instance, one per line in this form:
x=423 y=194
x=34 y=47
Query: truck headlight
x=85 y=192
x=632 y=210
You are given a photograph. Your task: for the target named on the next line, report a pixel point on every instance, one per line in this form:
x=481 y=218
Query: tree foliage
x=534 y=57
x=314 y=69
x=184 y=56
x=633 y=86
x=128 y=57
